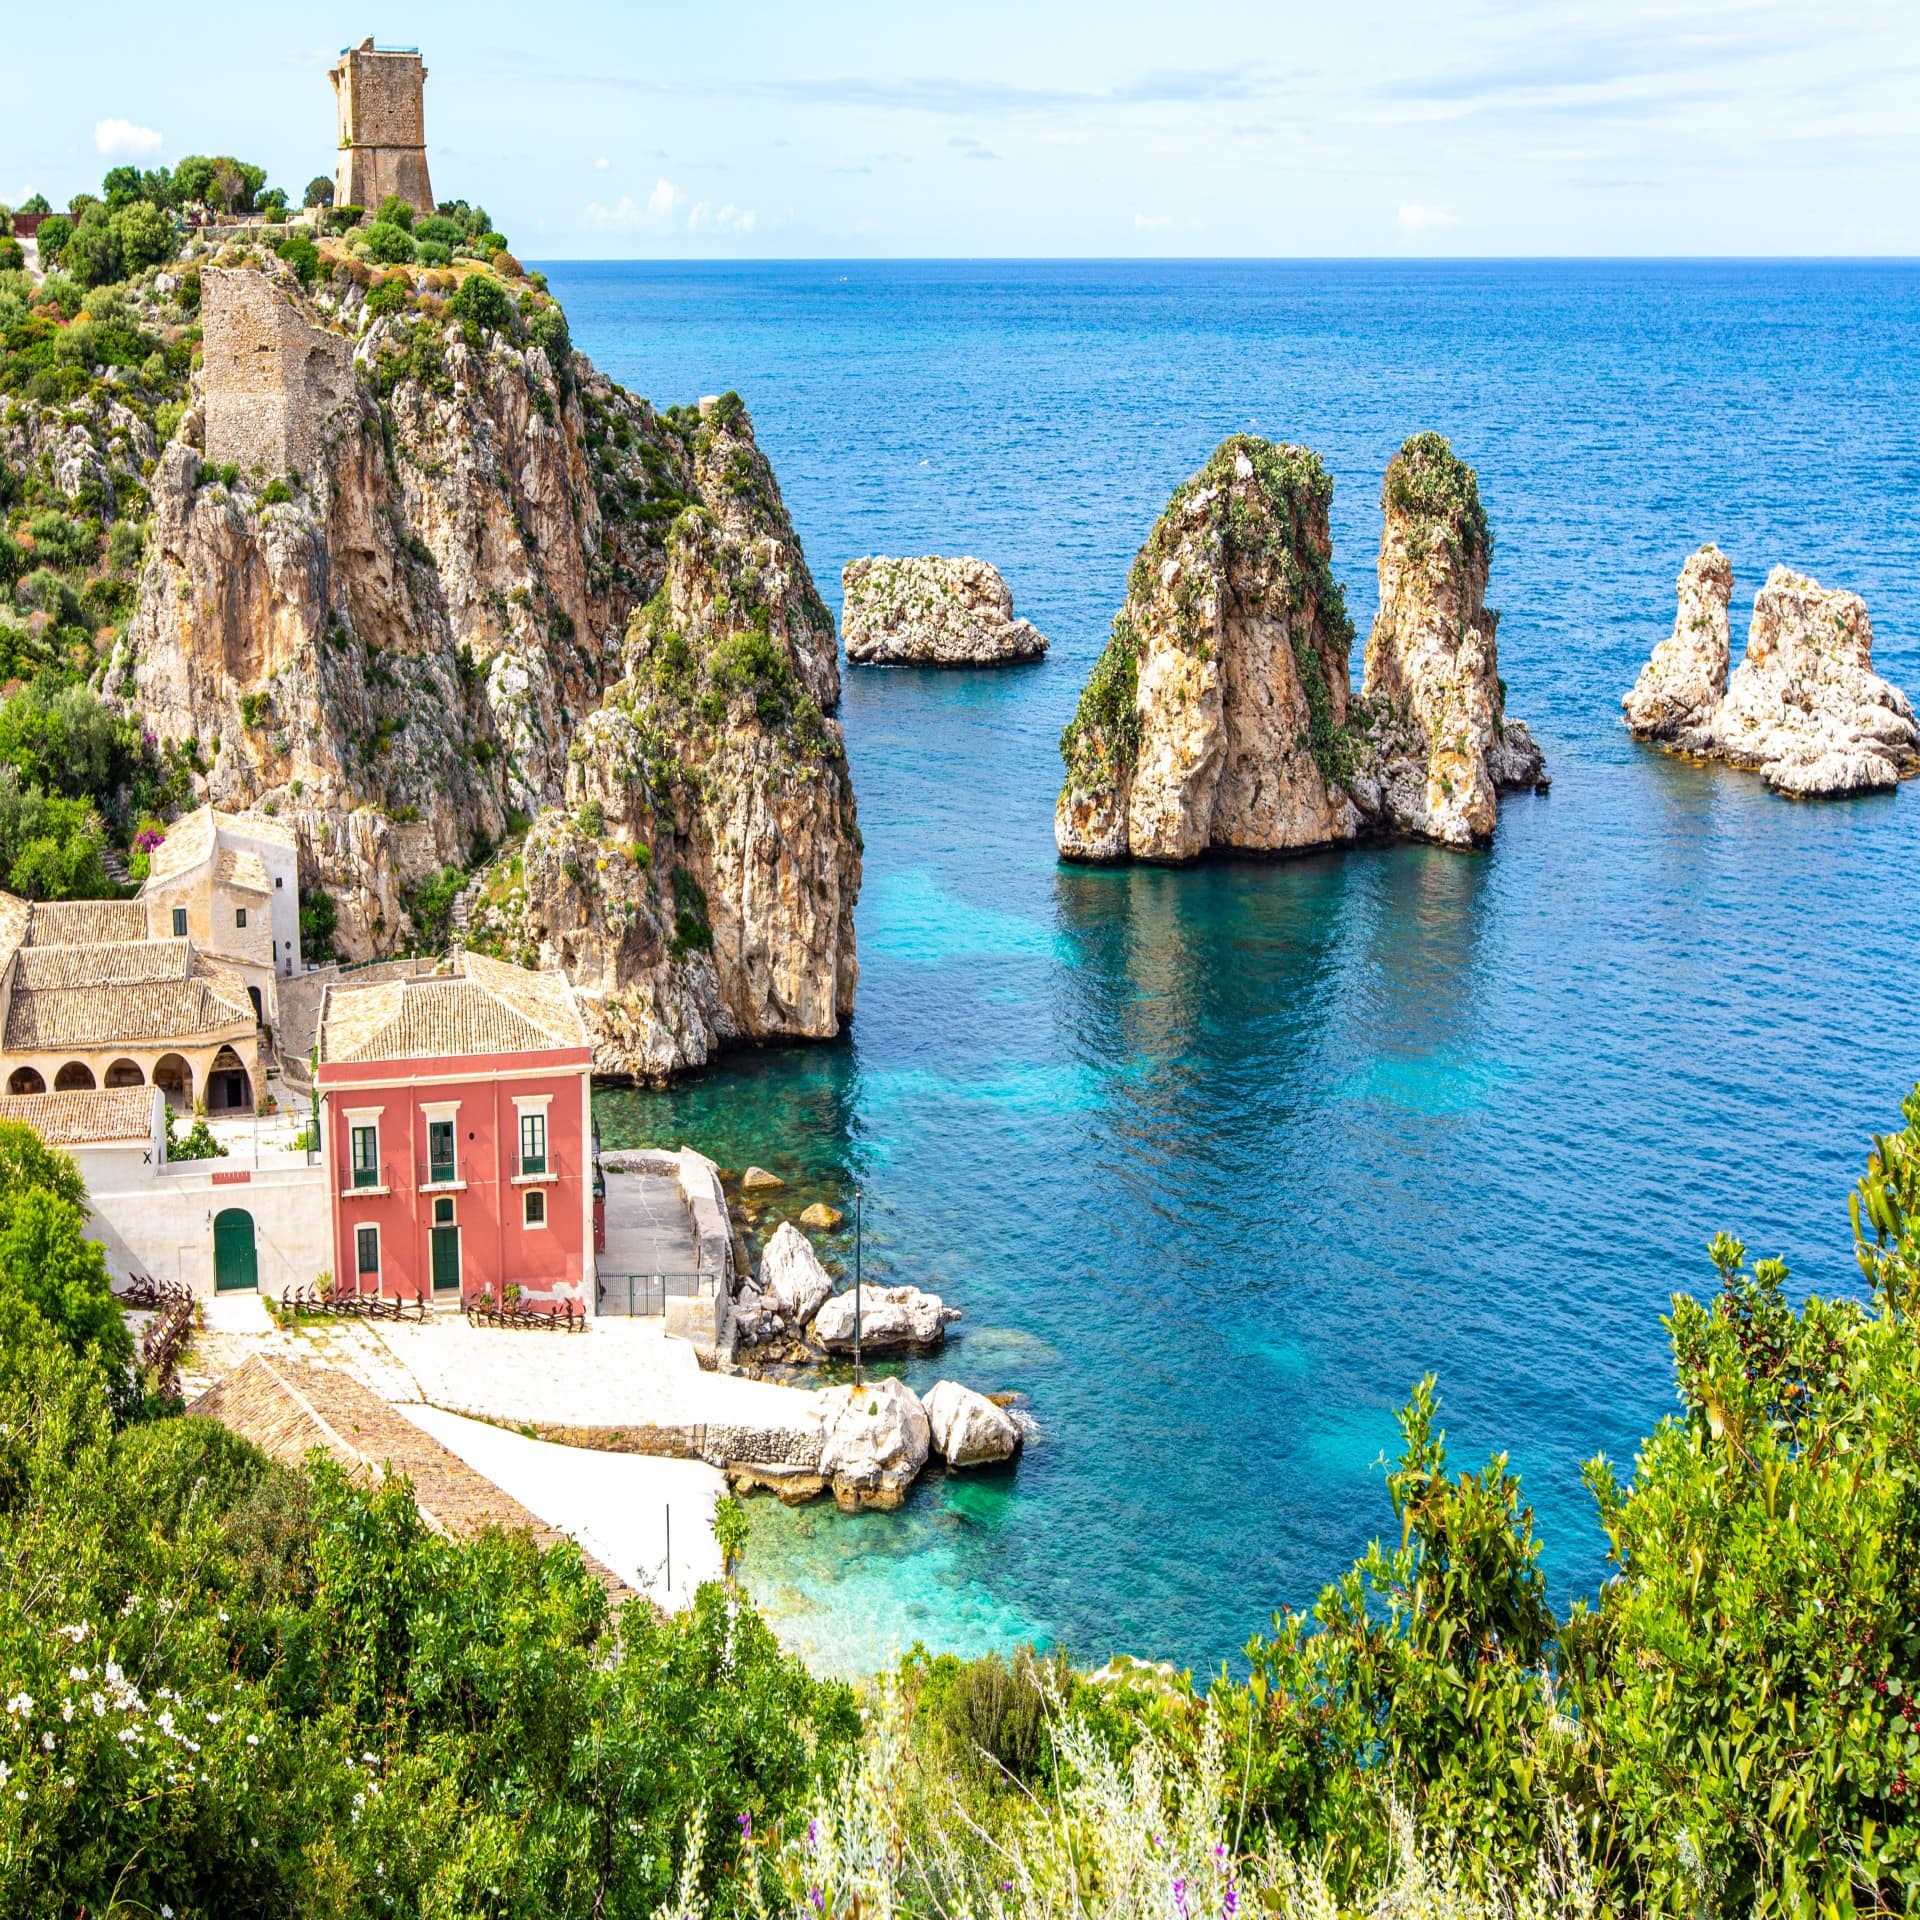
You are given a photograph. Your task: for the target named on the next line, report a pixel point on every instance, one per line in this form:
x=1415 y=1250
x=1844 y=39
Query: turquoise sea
x=1218 y=1162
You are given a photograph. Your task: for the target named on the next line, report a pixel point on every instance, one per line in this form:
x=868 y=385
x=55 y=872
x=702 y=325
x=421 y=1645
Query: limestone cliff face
x=1804 y=707
x=1220 y=714
x=404 y=649
x=1432 y=655
x=699 y=885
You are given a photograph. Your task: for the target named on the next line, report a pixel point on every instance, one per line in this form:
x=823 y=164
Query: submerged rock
x=792 y=1277
x=968 y=1429
x=1804 y=707
x=891 y=1319
x=932 y=611
x=759 y=1180
x=874 y=1442
x=1220 y=713
x=822 y=1218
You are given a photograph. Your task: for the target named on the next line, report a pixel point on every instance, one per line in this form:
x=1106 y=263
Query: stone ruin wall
x=271 y=379
x=381 y=99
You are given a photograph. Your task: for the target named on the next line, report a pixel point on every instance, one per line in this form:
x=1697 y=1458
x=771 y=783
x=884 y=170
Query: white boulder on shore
x=794 y=1282
x=932 y=611
x=969 y=1430
x=891 y=1318
x=874 y=1442
x=1804 y=708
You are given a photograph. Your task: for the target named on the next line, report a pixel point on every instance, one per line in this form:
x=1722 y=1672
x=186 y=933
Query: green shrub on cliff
x=481 y=304
x=390 y=244
x=1430 y=484
x=1099 y=744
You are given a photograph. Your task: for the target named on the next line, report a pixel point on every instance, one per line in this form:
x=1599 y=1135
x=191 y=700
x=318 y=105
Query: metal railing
x=365 y=1179
x=440 y=1173
x=564 y=1318
x=645 y=1295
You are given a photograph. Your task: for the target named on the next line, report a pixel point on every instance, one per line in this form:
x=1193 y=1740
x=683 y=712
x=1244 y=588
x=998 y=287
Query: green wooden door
x=446 y=1258
x=236 y=1265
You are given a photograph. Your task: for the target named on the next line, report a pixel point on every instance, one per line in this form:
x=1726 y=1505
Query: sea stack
x=932 y=611
x=1220 y=714
x=1804 y=708
x=1432 y=655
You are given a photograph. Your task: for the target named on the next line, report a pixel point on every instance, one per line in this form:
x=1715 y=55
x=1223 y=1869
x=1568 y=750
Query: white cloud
x=622 y=217
x=665 y=200
x=738 y=219
x=122 y=140
x=1416 y=218
x=698 y=218
x=600 y=166
x=1153 y=222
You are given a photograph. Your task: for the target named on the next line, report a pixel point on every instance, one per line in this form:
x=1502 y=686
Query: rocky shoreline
x=932 y=611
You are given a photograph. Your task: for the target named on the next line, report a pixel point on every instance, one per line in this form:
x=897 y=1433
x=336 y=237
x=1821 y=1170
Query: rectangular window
x=367 y=1246
x=533 y=1143
x=179 y=923
x=366 y=1156
x=440 y=1163
x=239 y=916
x=535 y=1213
x=277 y=883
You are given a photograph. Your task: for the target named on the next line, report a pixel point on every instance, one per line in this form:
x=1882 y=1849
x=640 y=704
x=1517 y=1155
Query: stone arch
x=174 y=1078
x=26 y=1080
x=228 y=1083
x=125 y=1073
x=75 y=1077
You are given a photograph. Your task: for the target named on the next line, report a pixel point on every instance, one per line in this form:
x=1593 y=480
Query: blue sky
x=1244 y=127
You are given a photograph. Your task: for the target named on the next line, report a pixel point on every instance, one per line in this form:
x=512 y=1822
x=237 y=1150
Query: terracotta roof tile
x=242 y=868
x=84 y=1119
x=488 y=1007
x=121 y=963
x=39 y=1021
x=86 y=923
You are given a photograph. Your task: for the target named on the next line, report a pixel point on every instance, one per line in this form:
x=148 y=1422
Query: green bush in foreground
x=233 y=1687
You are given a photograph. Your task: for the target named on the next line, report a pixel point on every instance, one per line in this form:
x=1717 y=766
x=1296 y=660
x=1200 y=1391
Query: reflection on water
x=1217 y=1162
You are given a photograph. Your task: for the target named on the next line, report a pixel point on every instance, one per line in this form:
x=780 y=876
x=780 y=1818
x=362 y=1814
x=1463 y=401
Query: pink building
x=458 y=1134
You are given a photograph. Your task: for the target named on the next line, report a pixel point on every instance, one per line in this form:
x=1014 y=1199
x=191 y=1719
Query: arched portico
x=25 y=1080
x=125 y=1073
x=229 y=1085
x=75 y=1077
x=174 y=1078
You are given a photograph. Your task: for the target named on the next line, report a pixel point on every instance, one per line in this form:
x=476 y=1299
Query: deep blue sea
x=1218 y=1162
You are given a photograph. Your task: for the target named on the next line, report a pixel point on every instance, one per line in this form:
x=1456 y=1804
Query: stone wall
x=381 y=102
x=271 y=377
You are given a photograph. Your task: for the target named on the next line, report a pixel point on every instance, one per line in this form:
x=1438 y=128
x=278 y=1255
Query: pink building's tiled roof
x=484 y=1007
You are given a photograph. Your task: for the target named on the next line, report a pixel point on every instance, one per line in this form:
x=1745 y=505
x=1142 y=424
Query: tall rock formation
x=1221 y=712
x=1432 y=655
x=1804 y=707
x=403 y=648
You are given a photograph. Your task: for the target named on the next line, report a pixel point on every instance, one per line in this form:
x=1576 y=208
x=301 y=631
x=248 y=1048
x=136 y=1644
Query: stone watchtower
x=381 y=96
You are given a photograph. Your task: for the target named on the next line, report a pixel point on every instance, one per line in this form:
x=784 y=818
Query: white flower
x=77 y=1632
x=128 y=1735
x=21 y=1706
x=66 y=1710
x=166 y=1720
x=99 y=1706
x=213 y=1719
x=76 y=1673
x=46 y=1741
x=253 y=1739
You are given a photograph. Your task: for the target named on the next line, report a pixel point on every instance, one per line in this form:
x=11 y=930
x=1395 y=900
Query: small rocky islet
x=1221 y=713
x=932 y=611
x=1804 y=708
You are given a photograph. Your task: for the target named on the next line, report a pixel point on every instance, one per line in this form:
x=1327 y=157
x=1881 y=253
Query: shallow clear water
x=1217 y=1162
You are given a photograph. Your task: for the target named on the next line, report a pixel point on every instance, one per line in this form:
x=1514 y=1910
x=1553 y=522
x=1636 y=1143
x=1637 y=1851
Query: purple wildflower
x=1180 y=1895
x=1232 y=1900
x=746 y=1826
x=819 y=1903
x=813 y=1834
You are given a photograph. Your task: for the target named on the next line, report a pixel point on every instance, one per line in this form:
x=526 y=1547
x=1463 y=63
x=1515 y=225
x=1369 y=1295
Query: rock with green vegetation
x=933 y=611
x=699 y=885
x=1432 y=656
x=1221 y=713
x=1217 y=716
x=420 y=640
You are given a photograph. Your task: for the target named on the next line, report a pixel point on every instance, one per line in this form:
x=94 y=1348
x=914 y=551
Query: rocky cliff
x=932 y=611
x=1804 y=707
x=1221 y=712
x=423 y=643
